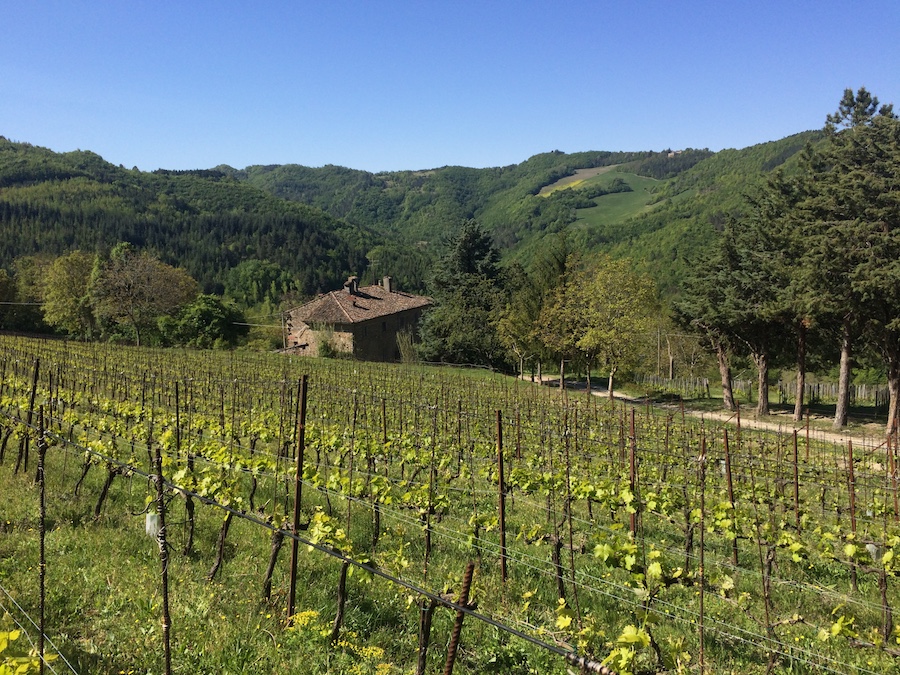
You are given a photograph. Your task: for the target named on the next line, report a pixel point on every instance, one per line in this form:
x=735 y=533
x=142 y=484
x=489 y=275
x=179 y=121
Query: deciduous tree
x=602 y=314
x=619 y=306
x=516 y=321
x=205 y=323
x=68 y=304
x=136 y=288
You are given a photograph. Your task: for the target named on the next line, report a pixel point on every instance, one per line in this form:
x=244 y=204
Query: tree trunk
x=220 y=547
x=801 y=371
x=587 y=378
x=842 y=409
x=894 y=391
x=189 y=518
x=609 y=389
x=342 y=601
x=277 y=541
x=562 y=372
x=762 y=382
x=725 y=372
x=671 y=358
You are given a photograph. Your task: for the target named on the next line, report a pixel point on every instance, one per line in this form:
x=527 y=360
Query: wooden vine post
x=702 y=469
x=463 y=601
x=298 y=493
x=429 y=508
x=632 y=478
x=501 y=497
x=851 y=488
x=796 y=485
x=892 y=469
x=23 y=446
x=42 y=561
x=568 y=510
x=188 y=500
x=765 y=563
x=807 y=434
x=730 y=484
x=163 y=559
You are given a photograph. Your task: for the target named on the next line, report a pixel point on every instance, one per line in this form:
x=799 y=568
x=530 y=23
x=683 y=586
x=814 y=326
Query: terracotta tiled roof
x=368 y=302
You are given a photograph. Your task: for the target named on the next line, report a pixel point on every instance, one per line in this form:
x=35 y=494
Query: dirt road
x=863 y=436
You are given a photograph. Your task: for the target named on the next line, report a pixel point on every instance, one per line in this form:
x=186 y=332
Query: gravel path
x=869 y=436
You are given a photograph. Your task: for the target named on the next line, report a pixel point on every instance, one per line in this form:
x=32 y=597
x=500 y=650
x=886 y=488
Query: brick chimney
x=352 y=285
x=387 y=284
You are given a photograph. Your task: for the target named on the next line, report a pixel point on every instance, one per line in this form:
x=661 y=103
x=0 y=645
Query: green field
x=615 y=208
x=612 y=210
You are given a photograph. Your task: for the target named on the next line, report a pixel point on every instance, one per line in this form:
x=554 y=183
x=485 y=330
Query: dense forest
x=321 y=224
x=682 y=201
x=207 y=223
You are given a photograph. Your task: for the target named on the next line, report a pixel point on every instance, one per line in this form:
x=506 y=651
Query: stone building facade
x=363 y=322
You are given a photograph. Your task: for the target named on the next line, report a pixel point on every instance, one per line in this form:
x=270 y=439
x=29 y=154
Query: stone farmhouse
x=363 y=322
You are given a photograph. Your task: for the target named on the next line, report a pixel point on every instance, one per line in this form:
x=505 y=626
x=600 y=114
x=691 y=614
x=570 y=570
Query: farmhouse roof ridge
x=362 y=304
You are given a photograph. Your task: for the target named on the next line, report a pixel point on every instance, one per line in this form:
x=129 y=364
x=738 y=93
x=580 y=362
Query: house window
x=384 y=326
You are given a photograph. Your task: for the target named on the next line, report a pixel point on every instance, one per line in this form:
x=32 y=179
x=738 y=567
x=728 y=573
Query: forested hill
x=689 y=210
x=657 y=207
x=203 y=221
x=419 y=204
x=321 y=224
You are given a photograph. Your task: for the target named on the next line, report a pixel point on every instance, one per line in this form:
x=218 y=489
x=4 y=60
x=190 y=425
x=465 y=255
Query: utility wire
x=47 y=663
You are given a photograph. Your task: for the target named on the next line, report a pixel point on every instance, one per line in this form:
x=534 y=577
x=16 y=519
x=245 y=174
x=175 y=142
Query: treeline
x=668 y=164
x=806 y=272
x=322 y=224
x=413 y=209
x=568 y=310
x=128 y=296
x=798 y=269
x=690 y=210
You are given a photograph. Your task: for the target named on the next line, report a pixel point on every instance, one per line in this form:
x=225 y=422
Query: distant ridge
x=322 y=224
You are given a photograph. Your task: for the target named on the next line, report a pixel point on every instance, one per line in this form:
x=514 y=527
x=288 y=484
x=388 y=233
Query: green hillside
x=660 y=208
x=662 y=222
x=320 y=224
x=691 y=208
x=204 y=221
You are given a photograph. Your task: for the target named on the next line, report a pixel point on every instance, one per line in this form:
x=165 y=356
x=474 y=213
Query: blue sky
x=415 y=85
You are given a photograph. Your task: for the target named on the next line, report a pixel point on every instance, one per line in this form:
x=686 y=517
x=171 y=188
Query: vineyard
x=194 y=512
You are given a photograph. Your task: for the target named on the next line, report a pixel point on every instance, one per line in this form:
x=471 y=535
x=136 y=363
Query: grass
x=105 y=602
x=613 y=209
x=580 y=178
x=104 y=593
